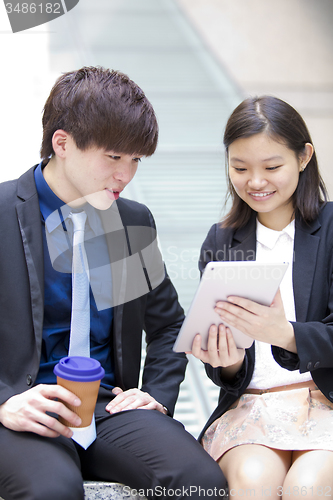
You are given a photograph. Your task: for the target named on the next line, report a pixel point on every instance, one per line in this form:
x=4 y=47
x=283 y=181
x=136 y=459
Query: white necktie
x=79 y=340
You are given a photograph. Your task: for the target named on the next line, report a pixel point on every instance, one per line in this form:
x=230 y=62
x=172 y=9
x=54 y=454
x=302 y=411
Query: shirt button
x=309 y=365
x=29 y=379
x=331 y=395
x=316 y=365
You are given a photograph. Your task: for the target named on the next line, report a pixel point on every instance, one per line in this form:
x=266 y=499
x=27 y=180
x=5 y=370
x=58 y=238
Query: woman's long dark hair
x=284 y=124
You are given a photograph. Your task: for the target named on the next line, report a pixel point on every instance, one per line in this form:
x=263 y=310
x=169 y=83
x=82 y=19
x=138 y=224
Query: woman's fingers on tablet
x=221 y=348
x=204 y=356
x=213 y=346
x=212 y=340
x=235 y=354
x=211 y=355
x=247 y=304
x=223 y=342
x=227 y=347
x=236 y=315
x=196 y=347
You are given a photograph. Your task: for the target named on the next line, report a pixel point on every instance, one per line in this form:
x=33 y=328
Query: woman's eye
x=114 y=157
x=137 y=160
x=240 y=169
x=274 y=168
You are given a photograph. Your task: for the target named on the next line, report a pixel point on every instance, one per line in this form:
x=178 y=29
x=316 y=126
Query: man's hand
x=26 y=412
x=133 y=399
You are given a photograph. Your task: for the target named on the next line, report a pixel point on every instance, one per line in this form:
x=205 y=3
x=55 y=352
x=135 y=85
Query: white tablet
x=252 y=280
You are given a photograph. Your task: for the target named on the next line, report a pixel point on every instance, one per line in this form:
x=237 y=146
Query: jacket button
x=317 y=365
x=331 y=395
x=29 y=379
x=309 y=365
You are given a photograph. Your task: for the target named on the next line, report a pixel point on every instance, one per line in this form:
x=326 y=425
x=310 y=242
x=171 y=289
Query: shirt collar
x=53 y=209
x=269 y=237
x=48 y=200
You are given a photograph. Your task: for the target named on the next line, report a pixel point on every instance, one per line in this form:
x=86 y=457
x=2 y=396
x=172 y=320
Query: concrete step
x=98 y=490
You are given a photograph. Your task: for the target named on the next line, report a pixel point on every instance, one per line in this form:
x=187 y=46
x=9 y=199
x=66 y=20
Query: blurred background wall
x=277 y=47
x=280 y=47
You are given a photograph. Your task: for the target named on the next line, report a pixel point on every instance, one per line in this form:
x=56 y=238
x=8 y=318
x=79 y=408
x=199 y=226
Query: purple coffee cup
x=82 y=377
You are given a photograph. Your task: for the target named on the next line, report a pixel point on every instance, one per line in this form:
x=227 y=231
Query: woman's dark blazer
x=313 y=293
x=22 y=301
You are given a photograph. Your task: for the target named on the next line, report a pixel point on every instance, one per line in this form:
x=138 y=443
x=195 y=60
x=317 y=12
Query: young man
x=97 y=124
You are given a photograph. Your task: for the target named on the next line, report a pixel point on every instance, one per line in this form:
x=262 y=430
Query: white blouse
x=276 y=246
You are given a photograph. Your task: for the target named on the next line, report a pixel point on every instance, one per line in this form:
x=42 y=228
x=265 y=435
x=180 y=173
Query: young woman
x=272 y=431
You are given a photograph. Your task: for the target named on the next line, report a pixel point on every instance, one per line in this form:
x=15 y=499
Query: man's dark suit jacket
x=22 y=294
x=313 y=293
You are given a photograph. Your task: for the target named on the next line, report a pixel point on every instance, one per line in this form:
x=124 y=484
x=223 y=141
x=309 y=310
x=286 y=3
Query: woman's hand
x=265 y=323
x=221 y=350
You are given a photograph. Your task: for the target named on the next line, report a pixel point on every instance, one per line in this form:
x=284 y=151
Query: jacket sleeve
x=241 y=380
x=314 y=329
x=164 y=369
x=21 y=292
x=214 y=248
x=314 y=341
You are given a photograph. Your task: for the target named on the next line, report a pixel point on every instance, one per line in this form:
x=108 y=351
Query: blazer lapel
x=29 y=219
x=305 y=260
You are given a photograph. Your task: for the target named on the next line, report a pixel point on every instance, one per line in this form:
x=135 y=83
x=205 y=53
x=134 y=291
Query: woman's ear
x=59 y=141
x=306 y=156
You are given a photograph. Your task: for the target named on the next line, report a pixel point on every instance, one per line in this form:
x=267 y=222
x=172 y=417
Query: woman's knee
x=311 y=474
x=251 y=471
x=255 y=467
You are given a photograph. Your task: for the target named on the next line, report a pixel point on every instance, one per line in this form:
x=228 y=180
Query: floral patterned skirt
x=298 y=419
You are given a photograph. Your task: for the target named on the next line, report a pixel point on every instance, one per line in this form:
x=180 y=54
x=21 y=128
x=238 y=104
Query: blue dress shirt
x=58 y=285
